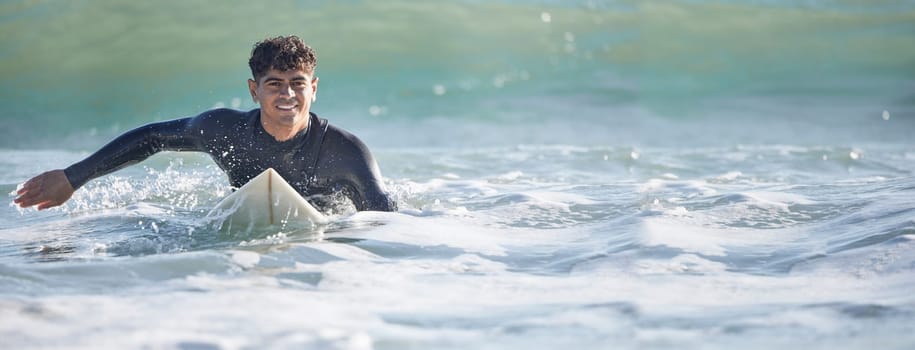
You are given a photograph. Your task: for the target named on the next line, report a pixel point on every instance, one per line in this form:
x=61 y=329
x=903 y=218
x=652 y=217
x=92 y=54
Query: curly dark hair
x=281 y=53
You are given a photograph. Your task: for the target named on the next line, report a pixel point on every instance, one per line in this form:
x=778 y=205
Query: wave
x=102 y=67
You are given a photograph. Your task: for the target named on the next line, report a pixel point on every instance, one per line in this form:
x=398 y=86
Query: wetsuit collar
x=297 y=139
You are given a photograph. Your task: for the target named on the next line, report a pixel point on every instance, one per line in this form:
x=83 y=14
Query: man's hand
x=47 y=190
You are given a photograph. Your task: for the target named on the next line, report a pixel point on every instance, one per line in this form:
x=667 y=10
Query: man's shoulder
x=342 y=138
x=221 y=119
x=224 y=115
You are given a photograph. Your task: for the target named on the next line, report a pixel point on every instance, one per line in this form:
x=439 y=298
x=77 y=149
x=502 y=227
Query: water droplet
x=375 y=110
x=886 y=115
x=546 y=17
x=634 y=155
x=236 y=102
x=499 y=81
x=825 y=157
x=439 y=89
x=606 y=157
x=854 y=155
x=569 y=37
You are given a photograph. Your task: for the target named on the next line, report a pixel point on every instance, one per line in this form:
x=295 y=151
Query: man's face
x=285 y=96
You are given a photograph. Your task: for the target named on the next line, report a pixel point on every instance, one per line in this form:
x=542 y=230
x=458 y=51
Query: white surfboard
x=264 y=201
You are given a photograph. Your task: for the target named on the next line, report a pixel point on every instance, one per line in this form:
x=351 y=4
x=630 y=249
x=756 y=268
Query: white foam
x=429 y=231
x=681 y=264
x=509 y=176
x=472 y=263
x=556 y=199
x=781 y=200
x=245 y=259
x=687 y=235
x=729 y=176
x=690 y=188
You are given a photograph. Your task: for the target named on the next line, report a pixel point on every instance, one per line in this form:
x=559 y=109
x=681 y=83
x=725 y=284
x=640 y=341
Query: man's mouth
x=288 y=107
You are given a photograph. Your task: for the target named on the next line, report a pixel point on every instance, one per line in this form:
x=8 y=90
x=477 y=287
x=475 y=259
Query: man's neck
x=282 y=132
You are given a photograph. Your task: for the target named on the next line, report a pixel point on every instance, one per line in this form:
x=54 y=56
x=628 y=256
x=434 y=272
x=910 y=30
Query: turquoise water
x=620 y=174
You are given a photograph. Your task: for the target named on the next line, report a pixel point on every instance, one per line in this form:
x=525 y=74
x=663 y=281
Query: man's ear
x=252 y=88
x=314 y=89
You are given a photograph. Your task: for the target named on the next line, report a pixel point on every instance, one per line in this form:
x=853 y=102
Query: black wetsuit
x=320 y=160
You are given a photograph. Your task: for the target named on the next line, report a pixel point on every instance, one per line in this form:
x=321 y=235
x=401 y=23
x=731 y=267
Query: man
x=316 y=158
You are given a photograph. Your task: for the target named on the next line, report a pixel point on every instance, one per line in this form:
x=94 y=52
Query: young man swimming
x=316 y=158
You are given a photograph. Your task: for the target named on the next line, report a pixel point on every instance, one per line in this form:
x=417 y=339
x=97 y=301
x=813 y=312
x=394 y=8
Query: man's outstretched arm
x=55 y=187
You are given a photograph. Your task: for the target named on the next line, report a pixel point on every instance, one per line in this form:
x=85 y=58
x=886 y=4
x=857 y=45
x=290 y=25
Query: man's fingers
x=46 y=204
x=27 y=186
x=24 y=197
x=31 y=185
x=28 y=198
x=26 y=201
x=29 y=191
x=47 y=190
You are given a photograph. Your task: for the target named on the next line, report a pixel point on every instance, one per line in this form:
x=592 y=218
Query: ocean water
x=580 y=174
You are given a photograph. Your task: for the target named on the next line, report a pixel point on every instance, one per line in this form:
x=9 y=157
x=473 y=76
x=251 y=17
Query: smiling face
x=285 y=98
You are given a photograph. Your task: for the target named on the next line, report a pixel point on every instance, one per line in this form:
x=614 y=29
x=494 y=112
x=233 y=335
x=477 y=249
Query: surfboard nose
x=266 y=200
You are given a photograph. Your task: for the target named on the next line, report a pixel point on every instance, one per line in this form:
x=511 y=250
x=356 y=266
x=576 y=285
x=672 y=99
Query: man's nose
x=287 y=91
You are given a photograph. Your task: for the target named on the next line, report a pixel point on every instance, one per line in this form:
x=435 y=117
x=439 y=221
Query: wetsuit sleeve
x=363 y=182
x=369 y=192
x=134 y=146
